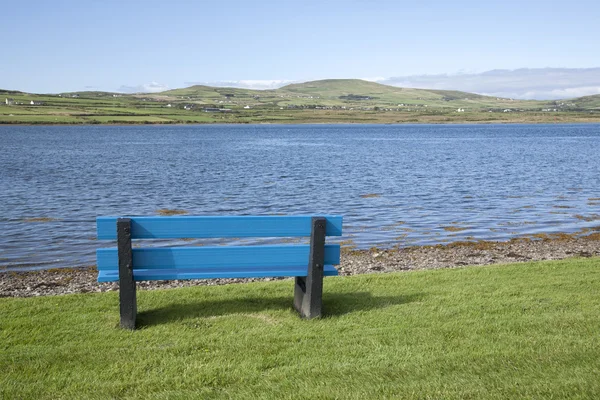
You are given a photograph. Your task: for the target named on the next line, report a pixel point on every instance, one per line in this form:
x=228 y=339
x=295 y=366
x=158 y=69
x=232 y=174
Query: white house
x=10 y=102
x=246 y=107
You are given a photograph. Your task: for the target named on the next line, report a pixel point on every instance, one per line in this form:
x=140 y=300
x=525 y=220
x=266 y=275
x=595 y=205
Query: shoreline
x=481 y=122
x=61 y=281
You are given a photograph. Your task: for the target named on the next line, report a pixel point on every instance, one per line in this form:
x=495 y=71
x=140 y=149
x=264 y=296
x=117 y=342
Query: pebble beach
x=60 y=281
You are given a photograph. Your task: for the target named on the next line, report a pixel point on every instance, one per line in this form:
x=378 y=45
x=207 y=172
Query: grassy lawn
x=517 y=331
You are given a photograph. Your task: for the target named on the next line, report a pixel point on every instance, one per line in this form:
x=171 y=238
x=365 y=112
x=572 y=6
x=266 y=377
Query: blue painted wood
x=217 y=227
x=216 y=257
x=208 y=273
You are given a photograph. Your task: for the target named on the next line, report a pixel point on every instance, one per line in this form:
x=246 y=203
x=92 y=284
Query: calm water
x=394 y=184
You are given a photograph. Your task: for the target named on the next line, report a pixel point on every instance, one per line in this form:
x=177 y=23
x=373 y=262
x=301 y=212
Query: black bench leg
x=308 y=290
x=127 y=297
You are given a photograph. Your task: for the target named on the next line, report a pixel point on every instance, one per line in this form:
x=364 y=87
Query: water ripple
x=394 y=184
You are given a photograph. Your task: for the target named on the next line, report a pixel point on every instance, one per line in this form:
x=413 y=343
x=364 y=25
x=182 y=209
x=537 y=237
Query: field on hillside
x=505 y=332
x=327 y=101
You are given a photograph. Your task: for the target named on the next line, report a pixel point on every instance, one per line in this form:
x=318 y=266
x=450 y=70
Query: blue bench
x=307 y=263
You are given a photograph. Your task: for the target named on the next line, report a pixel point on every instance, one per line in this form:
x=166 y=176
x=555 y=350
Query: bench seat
x=211 y=273
x=129 y=264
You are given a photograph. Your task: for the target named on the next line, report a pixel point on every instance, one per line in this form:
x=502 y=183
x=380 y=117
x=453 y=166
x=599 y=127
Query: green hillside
x=213 y=92
x=343 y=92
x=360 y=92
x=588 y=102
x=346 y=93
x=324 y=101
x=339 y=87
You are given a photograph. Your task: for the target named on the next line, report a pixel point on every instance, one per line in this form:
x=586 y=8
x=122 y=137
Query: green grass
x=518 y=331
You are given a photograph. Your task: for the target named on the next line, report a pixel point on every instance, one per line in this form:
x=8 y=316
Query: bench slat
x=216 y=257
x=206 y=273
x=217 y=227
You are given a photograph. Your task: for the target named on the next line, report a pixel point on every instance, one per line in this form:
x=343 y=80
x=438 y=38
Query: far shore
x=416 y=119
x=60 y=281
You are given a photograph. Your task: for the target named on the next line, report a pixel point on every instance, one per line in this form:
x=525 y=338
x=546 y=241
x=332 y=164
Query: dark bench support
x=127 y=295
x=308 y=290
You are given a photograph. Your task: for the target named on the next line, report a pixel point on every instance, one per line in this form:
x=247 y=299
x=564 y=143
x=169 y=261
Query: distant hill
x=8 y=92
x=349 y=92
x=323 y=101
x=88 y=94
x=592 y=102
x=346 y=93
x=211 y=92
x=342 y=88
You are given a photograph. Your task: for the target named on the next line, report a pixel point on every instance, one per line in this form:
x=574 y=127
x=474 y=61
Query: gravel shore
x=545 y=247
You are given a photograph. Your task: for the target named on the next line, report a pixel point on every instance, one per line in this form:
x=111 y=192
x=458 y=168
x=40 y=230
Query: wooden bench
x=308 y=263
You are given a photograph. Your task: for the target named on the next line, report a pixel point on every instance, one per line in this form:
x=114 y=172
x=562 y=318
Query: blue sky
x=54 y=46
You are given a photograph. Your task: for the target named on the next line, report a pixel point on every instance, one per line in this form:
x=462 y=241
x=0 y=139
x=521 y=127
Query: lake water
x=394 y=184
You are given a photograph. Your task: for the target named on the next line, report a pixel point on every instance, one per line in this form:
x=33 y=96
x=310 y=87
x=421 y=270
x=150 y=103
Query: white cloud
x=264 y=84
x=555 y=94
x=151 y=87
x=375 y=79
x=538 y=83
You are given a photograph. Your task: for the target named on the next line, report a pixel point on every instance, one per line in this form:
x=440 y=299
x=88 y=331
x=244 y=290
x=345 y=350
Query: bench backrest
x=217 y=227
